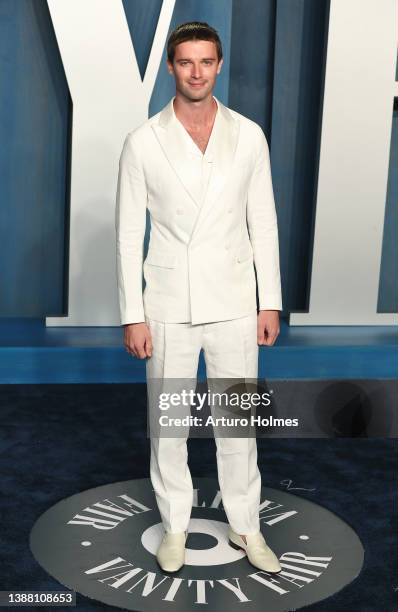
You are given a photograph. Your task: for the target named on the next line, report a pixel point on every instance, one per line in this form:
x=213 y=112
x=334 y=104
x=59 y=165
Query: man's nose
x=196 y=71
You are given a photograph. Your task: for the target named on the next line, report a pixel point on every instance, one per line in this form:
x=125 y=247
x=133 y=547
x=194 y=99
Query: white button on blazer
x=204 y=257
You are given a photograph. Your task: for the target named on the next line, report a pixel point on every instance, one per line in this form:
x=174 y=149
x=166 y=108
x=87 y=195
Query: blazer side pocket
x=161 y=259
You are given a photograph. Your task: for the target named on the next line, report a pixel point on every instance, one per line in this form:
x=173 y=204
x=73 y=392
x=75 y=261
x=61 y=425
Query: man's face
x=195 y=68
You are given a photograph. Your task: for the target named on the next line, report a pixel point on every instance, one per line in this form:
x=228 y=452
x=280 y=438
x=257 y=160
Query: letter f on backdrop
x=357 y=116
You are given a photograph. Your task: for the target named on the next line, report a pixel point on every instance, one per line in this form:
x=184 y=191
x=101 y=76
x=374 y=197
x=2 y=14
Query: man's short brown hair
x=192 y=30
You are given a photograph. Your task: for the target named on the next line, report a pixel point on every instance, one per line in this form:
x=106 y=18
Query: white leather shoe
x=171 y=552
x=258 y=552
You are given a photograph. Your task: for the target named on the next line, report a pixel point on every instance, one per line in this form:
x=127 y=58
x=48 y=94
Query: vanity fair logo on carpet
x=102 y=543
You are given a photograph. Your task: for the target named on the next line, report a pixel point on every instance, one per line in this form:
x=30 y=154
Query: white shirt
x=201 y=163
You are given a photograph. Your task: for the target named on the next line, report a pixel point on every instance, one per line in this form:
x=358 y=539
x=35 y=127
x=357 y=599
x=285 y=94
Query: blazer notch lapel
x=171 y=140
x=222 y=155
x=223 y=142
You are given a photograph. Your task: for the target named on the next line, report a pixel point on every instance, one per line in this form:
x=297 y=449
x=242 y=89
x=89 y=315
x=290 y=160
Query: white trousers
x=230 y=351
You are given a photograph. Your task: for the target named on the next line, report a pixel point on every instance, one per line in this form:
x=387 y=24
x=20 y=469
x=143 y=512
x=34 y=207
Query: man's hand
x=138 y=340
x=267 y=326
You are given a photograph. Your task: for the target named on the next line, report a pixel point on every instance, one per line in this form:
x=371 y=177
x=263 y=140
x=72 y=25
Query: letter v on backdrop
x=109 y=100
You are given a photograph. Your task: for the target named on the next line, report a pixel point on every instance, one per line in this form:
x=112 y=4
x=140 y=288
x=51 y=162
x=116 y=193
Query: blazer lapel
x=219 y=153
x=171 y=139
x=221 y=156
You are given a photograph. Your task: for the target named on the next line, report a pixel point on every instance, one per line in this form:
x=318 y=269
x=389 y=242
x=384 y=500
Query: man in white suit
x=203 y=172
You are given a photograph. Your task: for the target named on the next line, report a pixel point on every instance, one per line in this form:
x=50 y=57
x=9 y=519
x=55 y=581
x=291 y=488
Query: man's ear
x=169 y=66
x=219 y=66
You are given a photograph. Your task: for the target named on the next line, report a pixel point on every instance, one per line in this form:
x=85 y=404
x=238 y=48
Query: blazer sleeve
x=130 y=220
x=263 y=229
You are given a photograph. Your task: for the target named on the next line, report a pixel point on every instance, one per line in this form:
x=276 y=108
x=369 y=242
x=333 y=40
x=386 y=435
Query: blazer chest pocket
x=161 y=259
x=244 y=253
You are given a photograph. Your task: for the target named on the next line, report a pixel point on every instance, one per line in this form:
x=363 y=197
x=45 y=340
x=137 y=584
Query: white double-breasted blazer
x=206 y=256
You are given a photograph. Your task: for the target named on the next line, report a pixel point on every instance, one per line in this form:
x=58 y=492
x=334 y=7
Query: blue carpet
x=57 y=440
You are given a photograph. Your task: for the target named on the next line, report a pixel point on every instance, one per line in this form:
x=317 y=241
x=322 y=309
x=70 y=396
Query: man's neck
x=197 y=114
